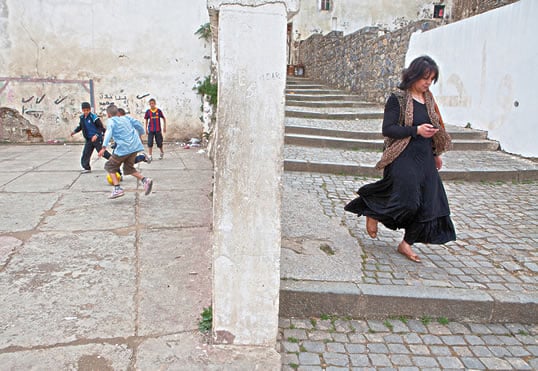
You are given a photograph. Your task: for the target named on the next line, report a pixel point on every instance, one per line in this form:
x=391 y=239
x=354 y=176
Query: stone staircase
x=329 y=265
x=331 y=131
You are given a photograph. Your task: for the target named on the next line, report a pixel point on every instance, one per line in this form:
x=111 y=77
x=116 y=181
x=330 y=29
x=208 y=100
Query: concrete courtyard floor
x=90 y=283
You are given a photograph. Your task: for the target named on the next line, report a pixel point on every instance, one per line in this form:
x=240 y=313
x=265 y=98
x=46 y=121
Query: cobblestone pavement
x=403 y=344
x=496 y=225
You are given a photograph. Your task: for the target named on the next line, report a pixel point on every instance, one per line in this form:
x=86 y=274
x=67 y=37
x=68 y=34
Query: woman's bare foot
x=371 y=227
x=405 y=249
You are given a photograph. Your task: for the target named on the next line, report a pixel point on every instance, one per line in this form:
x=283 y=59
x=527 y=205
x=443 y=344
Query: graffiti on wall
x=133 y=105
x=53 y=105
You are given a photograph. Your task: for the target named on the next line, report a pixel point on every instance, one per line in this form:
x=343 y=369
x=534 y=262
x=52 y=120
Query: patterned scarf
x=394 y=147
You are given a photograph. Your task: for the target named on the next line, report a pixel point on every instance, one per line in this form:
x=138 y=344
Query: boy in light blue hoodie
x=126 y=133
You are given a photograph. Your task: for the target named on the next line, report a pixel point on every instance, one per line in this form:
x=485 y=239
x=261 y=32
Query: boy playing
x=153 y=118
x=92 y=129
x=126 y=132
x=139 y=158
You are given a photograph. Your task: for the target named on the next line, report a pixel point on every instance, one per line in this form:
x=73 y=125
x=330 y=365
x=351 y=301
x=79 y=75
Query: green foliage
x=426 y=320
x=204 y=32
x=207 y=88
x=327 y=249
x=388 y=325
x=207 y=318
x=291 y=339
x=442 y=320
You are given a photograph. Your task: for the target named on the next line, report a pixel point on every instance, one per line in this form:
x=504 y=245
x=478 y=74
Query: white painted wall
x=487 y=64
x=248 y=172
x=129 y=48
x=349 y=16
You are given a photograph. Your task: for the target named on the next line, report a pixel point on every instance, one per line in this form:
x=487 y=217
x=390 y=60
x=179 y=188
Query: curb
x=305 y=299
x=353 y=169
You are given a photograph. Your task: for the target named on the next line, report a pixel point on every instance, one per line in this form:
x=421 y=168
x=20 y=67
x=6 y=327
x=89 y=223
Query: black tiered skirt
x=410 y=196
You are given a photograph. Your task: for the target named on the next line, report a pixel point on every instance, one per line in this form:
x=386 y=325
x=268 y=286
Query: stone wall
x=368 y=62
x=14 y=128
x=467 y=8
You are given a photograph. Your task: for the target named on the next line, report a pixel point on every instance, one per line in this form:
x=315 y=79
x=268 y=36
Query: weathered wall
x=487 y=77
x=467 y=8
x=131 y=49
x=350 y=15
x=368 y=62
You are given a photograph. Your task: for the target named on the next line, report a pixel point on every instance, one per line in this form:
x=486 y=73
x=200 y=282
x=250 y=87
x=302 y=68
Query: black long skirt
x=410 y=196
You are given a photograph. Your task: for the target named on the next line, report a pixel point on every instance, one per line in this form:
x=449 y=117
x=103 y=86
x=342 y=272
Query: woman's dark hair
x=420 y=67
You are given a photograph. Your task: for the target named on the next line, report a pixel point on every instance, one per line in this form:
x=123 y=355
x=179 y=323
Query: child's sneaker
x=148 y=184
x=161 y=156
x=149 y=159
x=117 y=192
x=146 y=157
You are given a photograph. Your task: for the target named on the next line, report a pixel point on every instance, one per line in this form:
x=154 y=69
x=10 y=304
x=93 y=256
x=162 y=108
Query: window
x=325 y=5
x=438 y=11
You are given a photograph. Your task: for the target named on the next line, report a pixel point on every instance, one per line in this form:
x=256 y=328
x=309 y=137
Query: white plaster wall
x=487 y=64
x=131 y=49
x=352 y=15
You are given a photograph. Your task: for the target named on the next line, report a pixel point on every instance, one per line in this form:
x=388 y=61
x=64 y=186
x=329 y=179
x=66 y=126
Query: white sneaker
x=117 y=192
x=161 y=156
x=148 y=184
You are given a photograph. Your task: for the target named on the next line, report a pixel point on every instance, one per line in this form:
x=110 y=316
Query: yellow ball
x=109 y=178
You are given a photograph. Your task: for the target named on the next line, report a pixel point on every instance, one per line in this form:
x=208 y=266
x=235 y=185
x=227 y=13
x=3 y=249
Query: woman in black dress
x=410 y=195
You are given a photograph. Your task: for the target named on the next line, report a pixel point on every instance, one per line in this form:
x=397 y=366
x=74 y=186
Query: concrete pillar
x=248 y=169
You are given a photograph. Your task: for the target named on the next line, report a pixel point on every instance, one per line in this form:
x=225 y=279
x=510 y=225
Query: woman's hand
x=438 y=162
x=426 y=130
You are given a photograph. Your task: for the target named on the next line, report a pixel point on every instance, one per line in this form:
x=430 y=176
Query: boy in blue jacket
x=126 y=133
x=92 y=129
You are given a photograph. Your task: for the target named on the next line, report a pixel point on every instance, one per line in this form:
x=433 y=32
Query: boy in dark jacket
x=93 y=130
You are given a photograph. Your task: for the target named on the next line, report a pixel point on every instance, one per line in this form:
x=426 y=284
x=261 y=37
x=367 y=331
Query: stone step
x=292 y=97
x=314 y=91
x=377 y=144
x=333 y=115
x=304 y=299
x=292 y=80
x=300 y=85
x=457 y=165
x=327 y=103
x=454 y=131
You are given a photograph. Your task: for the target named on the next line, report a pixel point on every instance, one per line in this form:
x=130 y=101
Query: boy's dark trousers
x=89 y=146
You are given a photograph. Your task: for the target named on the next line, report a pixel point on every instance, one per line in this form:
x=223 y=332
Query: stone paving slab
x=315 y=245
x=333 y=343
x=89 y=283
